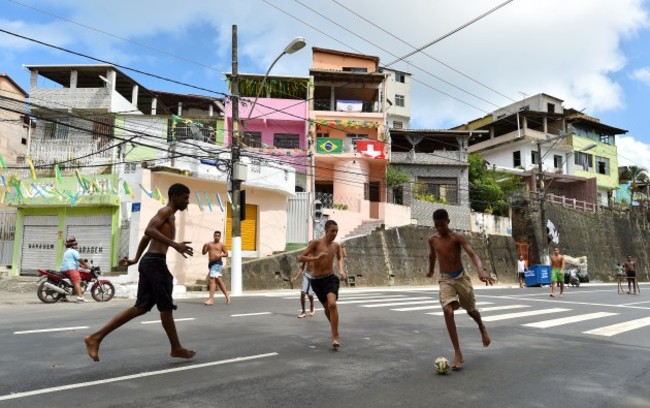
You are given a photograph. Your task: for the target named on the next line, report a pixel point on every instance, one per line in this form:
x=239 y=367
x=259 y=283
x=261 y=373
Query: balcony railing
x=364 y=106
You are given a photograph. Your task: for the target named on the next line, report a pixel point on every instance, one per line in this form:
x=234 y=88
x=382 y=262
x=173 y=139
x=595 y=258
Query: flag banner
x=220 y=202
x=327 y=145
x=3 y=165
x=32 y=170
x=147 y=192
x=346 y=105
x=57 y=173
x=198 y=201
x=207 y=200
x=371 y=148
x=127 y=190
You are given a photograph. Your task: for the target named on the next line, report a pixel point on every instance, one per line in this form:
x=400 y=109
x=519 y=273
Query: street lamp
x=296 y=44
x=237 y=169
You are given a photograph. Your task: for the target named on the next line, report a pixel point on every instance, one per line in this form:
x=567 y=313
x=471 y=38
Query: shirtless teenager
x=156 y=282
x=557 y=272
x=216 y=250
x=630 y=272
x=321 y=253
x=455 y=286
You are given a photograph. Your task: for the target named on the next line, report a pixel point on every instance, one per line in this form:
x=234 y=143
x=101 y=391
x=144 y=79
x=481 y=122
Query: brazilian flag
x=327 y=145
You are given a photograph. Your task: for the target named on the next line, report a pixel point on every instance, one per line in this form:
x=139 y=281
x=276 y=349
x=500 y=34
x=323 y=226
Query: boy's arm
x=224 y=253
x=153 y=232
x=144 y=243
x=205 y=249
x=432 y=259
x=306 y=256
x=476 y=260
x=300 y=270
x=339 y=260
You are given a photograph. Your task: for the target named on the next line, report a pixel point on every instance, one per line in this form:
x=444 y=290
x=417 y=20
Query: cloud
x=632 y=152
x=642 y=75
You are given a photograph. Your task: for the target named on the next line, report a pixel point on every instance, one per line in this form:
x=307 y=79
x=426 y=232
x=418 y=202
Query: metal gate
x=40 y=235
x=298 y=218
x=93 y=233
x=7 y=234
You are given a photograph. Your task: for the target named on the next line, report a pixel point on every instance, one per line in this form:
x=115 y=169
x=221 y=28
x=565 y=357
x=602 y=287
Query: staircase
x=365 y=228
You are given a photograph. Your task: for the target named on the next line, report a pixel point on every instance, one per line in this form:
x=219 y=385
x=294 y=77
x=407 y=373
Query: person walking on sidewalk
x=557 y=272
x=321 y=253
x=156 y=282
x=305 y=290
x=521 y=270
x=455 y=286
x=216 y=251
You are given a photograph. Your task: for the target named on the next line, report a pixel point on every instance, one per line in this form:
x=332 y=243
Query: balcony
x=514 y=136
x=349 y=106
x=438 y=157
x=97 y=99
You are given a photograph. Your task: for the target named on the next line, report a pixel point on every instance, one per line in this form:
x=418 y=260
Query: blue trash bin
x=538 y=275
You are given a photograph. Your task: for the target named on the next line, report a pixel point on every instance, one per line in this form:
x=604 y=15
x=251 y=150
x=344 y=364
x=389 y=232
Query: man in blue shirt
x=70 y=266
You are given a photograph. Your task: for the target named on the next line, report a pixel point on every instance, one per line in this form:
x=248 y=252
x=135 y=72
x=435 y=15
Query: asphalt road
x=587 y=349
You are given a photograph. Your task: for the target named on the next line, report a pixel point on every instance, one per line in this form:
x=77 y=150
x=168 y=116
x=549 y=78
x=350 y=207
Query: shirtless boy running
x=321 y=253
x=557 y=272
x=156 y=282
x=455 y=285
x=216 y=250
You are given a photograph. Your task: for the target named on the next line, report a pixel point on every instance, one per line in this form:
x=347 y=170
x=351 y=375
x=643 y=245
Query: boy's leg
x=221 y=285
x=453 y=334
x=332 y=313
x=93 y=341
x=561 y=287
x=167 y=319
x=212 y=287
x=476 y=315
x=302 y=305
x=312 y=309
x=553 y=283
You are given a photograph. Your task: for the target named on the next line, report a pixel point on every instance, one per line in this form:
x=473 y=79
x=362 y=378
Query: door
x=248 y=229
x=93 y=233
x=38 y=247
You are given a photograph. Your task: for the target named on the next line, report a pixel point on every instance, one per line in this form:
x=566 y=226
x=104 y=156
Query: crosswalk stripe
x=414 y=308
x=523 y=314
x=417 y=302
x=348 y=302
x=619 y=328
x=571 y=319
x=357 y=297
x=495 y=308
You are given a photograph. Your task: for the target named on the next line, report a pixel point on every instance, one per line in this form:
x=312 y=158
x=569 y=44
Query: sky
x=481 y=54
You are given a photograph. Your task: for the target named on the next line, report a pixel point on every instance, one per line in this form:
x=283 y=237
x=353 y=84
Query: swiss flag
x=371 y=148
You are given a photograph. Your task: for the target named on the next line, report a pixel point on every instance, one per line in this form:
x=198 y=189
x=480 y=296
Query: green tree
x=637 y=177
x=489 y=190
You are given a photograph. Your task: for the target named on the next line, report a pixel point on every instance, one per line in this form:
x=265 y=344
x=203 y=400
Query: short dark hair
x=217 y=232
x=329 y=223
x=440 y=215
x=177 y=189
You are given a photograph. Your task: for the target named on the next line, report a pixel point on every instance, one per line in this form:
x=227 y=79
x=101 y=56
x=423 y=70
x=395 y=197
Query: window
x=58 y=129
x=354 y=69
x=516 y=159
x=194 y=129
x=399 y=77
x=557 y=161
x=251 y=139
x=602 y=165
x=550 y=108
x=286 y=141
x=397 y=124
x=534 y=157
x=584 y=160
x=399 y=100
x=442 y=189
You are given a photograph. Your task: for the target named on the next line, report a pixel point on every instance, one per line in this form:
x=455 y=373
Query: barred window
x=442 y=189
x=194 y=129
x=58 y=129
x=286 y=141
x=251 y=139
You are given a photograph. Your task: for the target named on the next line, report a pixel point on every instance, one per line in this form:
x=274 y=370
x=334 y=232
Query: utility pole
x=542 y=211
x=235 y=182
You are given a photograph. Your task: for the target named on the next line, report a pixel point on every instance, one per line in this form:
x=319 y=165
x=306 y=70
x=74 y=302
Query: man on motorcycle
x=70 y=266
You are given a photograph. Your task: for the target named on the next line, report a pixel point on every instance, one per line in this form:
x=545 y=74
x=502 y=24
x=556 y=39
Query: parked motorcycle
x=54 y=285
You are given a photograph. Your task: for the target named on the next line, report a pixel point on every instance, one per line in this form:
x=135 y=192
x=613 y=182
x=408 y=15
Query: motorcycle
x=55 y=286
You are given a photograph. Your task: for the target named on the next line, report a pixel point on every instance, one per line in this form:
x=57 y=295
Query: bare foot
x=92 y=347
x=301 y=315
x=183 y=353
x=335 y=342
x=458 y=360
x=486 y=337
x=311 y=312
x=228 y=299
x=209 y=302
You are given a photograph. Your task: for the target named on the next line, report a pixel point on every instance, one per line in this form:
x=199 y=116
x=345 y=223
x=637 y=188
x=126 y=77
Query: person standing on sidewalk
x=156 y=282
x=521 y=270
x=321 y=253
x=216 y=251
x=557 y=272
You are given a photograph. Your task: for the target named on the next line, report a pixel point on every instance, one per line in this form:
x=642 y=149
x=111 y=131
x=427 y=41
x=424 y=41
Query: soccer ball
x=441 y=365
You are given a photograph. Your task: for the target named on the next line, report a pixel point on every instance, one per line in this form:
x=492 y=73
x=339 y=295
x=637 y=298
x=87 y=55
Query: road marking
x=359 y=297
x=619 y=328
x=417 y=302
x=184 y=319
x=51 y=330
x=49 y=390
x=563 y=301
x=635 y=303
x=410 y=309
x=250 y=314
x=523 y=314
x=347 y=302
x=571 y=319
x=495 y=308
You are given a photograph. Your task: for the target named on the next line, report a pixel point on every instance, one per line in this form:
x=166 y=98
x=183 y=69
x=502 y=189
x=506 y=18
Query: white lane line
x=523 y=314
x=347 y=302
x=183 y=319
x=49 y=390
x=250 y=314
x=619 y=328
x=358 y=297
x=417 y=302
x=635 y=303
x=486 y=309
x=566 y=320
x=51 y=330
x=410 y=309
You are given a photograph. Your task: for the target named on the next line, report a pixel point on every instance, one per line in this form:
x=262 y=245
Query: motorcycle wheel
x=103 y=291
x=47 y=295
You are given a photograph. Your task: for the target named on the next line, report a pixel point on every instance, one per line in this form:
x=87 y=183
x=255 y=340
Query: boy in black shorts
x=156 y=283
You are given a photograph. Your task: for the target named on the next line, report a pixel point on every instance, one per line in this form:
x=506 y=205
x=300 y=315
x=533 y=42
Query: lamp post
x=238 y=169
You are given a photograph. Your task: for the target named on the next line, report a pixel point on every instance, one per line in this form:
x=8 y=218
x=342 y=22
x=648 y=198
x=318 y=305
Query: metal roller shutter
x=40 y=235
x=248 y=229
x=93 y=233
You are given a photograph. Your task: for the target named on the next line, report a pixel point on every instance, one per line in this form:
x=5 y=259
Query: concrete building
x=15 y=124
x=398 y=94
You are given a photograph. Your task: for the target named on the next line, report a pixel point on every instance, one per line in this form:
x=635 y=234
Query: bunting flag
x=57 y=173
x=81 y=180
x=219 y=201
x=95 y=185
x=37 y=191
x=2 y=197
x=232 y=205
x=162 y=198
x=4 y=181
x=32 y=170
x=207 y=200
x=3 y=165
x=127 y=190
x=157 y=195
x=147 y=192
x=198 y=201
